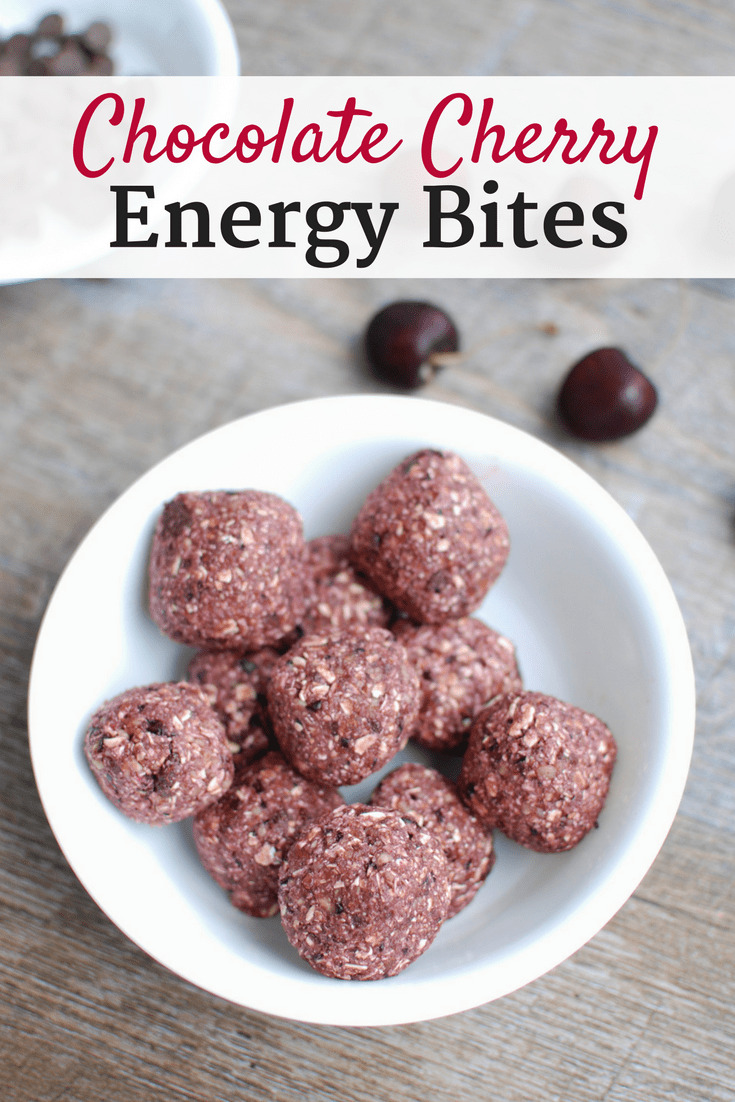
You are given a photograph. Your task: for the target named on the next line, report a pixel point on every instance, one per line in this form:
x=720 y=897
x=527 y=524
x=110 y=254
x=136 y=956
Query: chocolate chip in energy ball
x=606 y=397
x=363 y=892
x=406 y=343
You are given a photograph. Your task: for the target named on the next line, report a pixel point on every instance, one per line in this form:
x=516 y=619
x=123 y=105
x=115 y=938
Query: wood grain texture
x=102 y=379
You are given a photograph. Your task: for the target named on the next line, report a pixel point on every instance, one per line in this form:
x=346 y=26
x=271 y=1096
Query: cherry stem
x=444 y=359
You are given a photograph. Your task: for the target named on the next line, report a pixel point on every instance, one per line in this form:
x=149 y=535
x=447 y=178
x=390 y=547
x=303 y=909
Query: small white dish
x=151 y=38
x=584 y=598
x=62 y=230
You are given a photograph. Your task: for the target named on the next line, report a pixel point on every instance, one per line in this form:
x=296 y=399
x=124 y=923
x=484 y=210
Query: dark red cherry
x=408 y=342
x=605 y=397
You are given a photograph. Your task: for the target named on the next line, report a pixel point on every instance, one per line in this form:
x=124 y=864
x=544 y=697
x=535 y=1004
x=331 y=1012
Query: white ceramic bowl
x=165 y=38
x=150 y=37
x=583 y=597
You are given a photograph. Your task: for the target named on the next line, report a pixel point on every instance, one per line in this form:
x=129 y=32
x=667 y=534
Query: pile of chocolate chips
x=50 y=51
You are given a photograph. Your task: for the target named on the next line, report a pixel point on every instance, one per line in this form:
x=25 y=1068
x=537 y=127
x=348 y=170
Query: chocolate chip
x=68 y=62
x=50 y=26
x=176 y=519
x=96 y=38
x=49 y=51
x=15 y=55
x=100 y=66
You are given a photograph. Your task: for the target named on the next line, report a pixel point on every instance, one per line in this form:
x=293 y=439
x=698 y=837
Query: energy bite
x=339 y=598
x=463 y=664
x=243 y=838
x=537 y=769
x=434 y=803
x=227 y=569
x=159 y=752
x=343 y=704
x=430 y=538
x=363 y=892
x=235 y=687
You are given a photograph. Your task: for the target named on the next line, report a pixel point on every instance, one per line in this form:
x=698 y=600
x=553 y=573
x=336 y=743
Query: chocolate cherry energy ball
x=339 y=598
x=432 y=800
x=462 y=664
x=159 y=752
x=537 y=769
x=235 y=686
x=343 y=704
x=227 y=569
x=243 y=838
x=430 y=538
x=363 y=892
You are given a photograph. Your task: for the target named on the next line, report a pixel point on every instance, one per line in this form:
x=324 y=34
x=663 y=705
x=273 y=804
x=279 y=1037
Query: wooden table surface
x=101 y=379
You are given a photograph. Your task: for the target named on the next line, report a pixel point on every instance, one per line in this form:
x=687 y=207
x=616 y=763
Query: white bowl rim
x=387 y=1005
x=223 y=35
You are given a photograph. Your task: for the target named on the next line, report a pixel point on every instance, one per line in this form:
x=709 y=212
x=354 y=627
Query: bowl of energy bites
x=362 y=710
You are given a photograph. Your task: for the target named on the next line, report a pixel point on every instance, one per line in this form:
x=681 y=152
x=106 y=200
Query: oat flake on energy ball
x=537 y=769
x=159 y=752
x=243 y=838
x=430 y=538
x=339 y=597
x=343 y=704
x=433 y=801
x=363 y=892
x=227 y=569
x=235 y=686
x=462 y=664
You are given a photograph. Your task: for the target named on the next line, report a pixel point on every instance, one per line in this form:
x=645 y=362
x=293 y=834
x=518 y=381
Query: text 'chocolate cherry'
x=408 y=342
x=605 y=397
